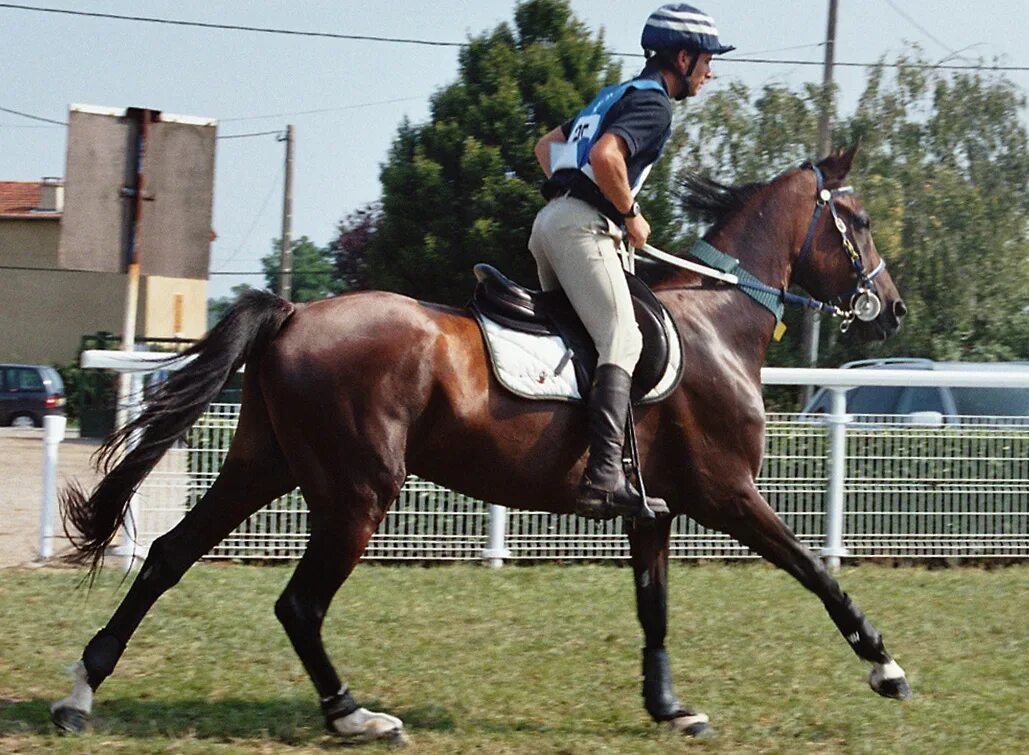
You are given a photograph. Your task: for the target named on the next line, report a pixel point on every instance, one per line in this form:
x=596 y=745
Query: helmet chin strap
x=695 y=57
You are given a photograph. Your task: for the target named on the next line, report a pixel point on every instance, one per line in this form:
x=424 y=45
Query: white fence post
x=134 y=407
x=495 y=552
x=837 y=421
x=53 y=433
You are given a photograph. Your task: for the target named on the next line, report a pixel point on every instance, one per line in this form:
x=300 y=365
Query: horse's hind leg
x=337 y=543
x=754 y=523
x=253 y=475
x=648 y=543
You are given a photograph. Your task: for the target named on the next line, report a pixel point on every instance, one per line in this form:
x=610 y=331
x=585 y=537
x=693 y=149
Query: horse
x=412 y=392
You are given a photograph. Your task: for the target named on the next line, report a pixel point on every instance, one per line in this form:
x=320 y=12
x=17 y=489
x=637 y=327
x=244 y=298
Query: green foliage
x=738 y=136
x=313 y=270
x=463 y=188
x=944 y=173
x=216 y=308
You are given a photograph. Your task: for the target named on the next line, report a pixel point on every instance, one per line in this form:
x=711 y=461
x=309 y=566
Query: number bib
x=575 y=152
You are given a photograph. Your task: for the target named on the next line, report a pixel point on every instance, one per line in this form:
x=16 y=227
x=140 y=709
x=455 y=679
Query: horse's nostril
x=899 y=309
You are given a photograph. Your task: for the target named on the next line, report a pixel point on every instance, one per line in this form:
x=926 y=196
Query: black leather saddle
x=550 y=313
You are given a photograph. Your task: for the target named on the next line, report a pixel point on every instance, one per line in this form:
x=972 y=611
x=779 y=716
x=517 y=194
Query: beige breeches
x=576 y=249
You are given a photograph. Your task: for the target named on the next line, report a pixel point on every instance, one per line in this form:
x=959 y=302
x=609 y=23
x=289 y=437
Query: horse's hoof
x=888 y=680
x=366 y=726
x=898 y=689
x=697 y=726
x=69 y=720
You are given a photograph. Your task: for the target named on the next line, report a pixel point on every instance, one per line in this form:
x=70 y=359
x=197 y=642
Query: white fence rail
x=910 y=491
x=859 y=487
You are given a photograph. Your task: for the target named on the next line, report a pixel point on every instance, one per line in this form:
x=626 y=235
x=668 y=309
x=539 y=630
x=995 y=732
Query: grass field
x=541 y=659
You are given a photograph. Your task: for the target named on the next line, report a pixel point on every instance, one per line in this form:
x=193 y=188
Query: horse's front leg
x=746 y=515
x=648 y=542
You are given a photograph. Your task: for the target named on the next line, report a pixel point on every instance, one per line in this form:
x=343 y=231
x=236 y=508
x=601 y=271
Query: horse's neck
x=763 y=238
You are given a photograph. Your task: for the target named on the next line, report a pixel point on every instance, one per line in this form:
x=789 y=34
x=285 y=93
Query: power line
x=33 y=117
x=438 y=43
x=921 y=28
x=879 y=64
x=232 y=27
x=245 y=136
x=257 y=218
x=320 y=110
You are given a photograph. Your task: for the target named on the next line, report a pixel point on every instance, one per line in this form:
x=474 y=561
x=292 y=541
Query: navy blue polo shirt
x=643 y=118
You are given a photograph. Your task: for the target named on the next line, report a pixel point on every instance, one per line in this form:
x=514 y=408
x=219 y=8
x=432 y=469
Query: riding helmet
x=679 y=26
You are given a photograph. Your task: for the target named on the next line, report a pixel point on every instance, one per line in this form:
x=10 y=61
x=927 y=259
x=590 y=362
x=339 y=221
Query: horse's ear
x=836 y=166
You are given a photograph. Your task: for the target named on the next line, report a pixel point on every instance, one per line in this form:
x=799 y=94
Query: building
x=50 y=297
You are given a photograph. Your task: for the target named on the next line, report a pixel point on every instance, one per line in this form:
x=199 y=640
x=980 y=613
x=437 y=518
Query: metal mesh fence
x=955 y=490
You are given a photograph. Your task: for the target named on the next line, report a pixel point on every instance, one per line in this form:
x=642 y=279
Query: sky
x=346 y=98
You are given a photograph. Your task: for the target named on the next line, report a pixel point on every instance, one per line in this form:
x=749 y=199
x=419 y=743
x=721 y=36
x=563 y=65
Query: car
x=29 y=392
x=933 y=405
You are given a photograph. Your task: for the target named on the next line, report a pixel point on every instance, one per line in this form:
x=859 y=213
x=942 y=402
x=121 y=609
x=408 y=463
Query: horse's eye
x=863 y=222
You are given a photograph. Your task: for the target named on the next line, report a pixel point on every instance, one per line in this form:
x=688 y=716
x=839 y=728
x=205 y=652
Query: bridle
x=865 y=304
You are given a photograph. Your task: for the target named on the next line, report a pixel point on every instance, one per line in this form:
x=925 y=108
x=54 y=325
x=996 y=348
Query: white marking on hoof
x=888 y=680
x=891 y=670
x=81 y=697
x=684 y=724
x=364 y=726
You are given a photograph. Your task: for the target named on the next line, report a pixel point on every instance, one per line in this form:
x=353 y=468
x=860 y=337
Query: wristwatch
x=633 y=211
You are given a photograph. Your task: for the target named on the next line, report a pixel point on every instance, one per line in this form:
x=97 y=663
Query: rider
x=595 y=164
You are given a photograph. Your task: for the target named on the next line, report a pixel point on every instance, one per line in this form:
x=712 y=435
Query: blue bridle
x=865 y=304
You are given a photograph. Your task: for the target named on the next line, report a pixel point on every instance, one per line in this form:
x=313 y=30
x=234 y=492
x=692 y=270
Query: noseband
x=865 y=304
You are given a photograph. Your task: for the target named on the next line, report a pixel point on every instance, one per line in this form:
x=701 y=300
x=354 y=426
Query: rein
x=865 y=304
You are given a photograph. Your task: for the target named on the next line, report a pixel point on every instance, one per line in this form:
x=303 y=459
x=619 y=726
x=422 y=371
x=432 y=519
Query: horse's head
x=837 y=260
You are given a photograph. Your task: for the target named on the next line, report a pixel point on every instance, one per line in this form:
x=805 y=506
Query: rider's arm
x=608 y=159
x=557 y=136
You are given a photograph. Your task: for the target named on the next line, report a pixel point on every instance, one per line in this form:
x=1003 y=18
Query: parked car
x=931 y=404
x=29 y=392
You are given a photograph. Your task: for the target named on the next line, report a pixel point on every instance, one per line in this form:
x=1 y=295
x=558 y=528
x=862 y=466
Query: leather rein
x=864 y=302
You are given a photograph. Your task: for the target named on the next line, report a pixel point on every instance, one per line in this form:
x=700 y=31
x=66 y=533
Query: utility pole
x=812 y=319
x=286 y=258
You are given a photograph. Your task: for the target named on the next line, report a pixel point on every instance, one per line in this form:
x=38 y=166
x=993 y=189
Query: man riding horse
x=595 y=165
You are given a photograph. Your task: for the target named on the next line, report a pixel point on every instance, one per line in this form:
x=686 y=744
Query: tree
x=739 y=136
x=946 y=163
x=944 y=173
x=464 y=187
x=313 y=270
x=349 y=250
x=216 y=308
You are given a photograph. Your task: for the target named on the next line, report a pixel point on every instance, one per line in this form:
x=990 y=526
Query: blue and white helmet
x=678 y=26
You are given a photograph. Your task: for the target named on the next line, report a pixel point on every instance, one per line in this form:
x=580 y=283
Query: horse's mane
x=708 y=201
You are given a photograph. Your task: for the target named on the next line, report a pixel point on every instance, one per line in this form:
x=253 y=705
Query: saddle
x=531 y=319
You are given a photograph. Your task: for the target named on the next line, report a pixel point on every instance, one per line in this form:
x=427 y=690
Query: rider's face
x=700 y=76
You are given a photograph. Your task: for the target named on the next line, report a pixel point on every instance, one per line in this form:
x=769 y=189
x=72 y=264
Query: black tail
x=91 y=523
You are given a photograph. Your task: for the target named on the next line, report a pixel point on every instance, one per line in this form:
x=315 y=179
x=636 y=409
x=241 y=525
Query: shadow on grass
x=290 y=721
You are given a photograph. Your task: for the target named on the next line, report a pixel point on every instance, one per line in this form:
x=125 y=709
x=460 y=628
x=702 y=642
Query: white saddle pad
x=540 y=367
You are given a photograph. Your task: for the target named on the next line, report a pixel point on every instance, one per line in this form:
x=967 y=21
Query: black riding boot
x=604 y=493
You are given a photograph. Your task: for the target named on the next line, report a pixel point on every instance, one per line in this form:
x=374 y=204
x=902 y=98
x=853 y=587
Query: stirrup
x=596 y=503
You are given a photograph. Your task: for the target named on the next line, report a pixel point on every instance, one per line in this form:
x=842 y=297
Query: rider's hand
x=638 y=229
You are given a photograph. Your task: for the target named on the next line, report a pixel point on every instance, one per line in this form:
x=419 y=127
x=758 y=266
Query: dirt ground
x=21 y=490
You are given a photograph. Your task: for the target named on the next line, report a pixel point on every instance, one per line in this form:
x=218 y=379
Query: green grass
x=541 y=659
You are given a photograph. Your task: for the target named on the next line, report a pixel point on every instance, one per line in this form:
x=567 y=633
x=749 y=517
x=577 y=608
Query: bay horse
x=412 y=392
